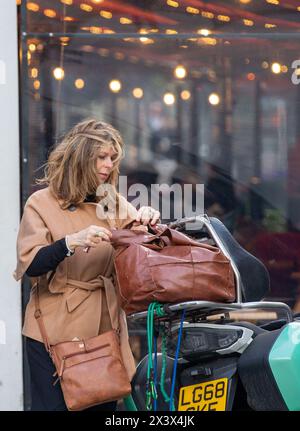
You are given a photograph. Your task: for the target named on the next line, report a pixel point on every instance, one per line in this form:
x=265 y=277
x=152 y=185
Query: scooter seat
x=255 y=280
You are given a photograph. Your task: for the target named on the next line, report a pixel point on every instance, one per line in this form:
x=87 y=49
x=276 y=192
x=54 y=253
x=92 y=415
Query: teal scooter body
x=284 y=360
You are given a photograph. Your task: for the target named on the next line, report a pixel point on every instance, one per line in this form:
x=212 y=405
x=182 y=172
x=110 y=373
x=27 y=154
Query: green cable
x=129 y=403
x=151 y=392
x=148 y=393
x=164 y=365
x=149 y=384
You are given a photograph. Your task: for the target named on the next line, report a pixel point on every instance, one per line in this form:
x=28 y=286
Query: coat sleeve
x=33 y=235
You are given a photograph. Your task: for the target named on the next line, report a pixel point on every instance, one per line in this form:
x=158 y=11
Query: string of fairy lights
x=180 y=71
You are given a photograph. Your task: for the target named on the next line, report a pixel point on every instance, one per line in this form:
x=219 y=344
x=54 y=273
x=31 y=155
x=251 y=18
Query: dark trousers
x=45 y=396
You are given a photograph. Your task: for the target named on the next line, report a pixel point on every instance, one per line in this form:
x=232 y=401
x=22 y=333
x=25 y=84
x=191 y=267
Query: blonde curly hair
x=70 y=171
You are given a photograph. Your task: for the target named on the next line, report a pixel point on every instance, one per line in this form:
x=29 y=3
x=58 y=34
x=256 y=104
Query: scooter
x=213 y=357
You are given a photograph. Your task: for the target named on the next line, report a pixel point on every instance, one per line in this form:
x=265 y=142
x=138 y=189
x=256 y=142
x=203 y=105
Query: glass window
x=203 y=92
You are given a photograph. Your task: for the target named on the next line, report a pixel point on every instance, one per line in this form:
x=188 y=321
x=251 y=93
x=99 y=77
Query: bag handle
x=156 y=240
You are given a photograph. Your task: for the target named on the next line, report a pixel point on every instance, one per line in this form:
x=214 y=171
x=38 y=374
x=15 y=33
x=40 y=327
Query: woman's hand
x=89 y=237
x=147 y=215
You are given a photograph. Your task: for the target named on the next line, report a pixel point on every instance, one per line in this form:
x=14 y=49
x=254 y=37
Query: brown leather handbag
x=90 y=371
x=169 y=267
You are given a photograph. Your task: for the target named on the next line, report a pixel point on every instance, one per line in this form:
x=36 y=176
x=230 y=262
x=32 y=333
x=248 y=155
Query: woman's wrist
x=71 y=242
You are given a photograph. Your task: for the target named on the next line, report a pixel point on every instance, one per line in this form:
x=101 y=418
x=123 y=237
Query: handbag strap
x=113 y=304
x=38 y=314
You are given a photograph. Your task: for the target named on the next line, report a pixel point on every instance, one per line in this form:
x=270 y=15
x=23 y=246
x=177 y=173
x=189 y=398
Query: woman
x=62 y=235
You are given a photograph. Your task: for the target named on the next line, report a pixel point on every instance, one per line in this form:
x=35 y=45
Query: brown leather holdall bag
x=91 y=371
x=170 y=267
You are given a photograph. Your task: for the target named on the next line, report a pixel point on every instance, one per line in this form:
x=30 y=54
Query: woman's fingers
x=103 y=237
x=155 y=218
x=95 y=235
x=146 y=215
x=101 y=231
x=92 y=236
x=98 y=237
x=141 y=215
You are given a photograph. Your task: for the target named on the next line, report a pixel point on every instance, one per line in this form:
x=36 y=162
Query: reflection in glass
x=228 y=118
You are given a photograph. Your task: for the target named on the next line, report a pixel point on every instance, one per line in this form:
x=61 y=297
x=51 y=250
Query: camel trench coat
x=81 y=292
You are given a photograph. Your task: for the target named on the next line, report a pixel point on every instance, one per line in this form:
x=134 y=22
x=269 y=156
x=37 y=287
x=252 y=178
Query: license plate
x=204 y=396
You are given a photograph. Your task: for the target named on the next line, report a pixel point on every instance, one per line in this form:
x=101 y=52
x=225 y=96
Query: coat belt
x=78 y=291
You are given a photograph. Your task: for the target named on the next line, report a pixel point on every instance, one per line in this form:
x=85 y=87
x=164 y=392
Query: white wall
x=11 y=380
